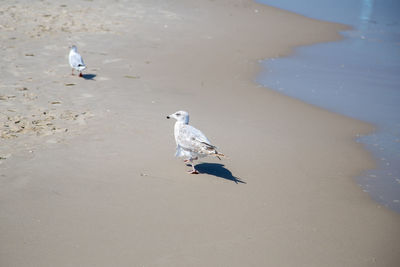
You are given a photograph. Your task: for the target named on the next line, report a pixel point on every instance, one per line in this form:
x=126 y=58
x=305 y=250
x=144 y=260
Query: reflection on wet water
x=358 y=77
x=366 y=10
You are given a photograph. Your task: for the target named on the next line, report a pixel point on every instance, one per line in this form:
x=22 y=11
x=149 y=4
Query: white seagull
x=76 y=61
x=191 y=143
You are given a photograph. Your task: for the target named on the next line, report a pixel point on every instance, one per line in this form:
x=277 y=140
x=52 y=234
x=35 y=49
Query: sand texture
x=88 y=175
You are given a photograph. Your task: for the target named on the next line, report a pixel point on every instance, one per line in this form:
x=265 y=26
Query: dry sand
x=87 y=173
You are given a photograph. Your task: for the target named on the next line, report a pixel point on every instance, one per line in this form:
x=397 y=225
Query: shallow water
x=358 y=77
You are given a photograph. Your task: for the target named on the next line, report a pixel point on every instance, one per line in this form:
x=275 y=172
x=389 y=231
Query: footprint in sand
x=87 y=95
x=51 y=47
x=107 y=61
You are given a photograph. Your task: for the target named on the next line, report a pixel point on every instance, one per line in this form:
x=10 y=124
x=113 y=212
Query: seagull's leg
x=72 y=73
x=193 y=171
x=80 y=74
x=188 y=160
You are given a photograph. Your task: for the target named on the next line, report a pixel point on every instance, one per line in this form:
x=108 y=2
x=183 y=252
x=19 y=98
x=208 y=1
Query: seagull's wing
x=76 y=60
x=193 y=140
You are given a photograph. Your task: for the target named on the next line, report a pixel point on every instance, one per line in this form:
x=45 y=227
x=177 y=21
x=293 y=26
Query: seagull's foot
x=193 y=172
x=80 y=74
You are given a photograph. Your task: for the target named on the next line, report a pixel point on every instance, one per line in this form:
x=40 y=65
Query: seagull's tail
x=219 y=155
x=213 y=151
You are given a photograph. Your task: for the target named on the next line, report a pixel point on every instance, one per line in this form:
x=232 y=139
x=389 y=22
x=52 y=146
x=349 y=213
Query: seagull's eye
x=178 y=114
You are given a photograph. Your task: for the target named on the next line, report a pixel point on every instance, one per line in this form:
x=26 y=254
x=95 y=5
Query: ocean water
x=358 y=77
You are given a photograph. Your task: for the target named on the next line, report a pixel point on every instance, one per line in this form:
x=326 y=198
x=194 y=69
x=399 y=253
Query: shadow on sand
x=89 y=76
x=218 y=170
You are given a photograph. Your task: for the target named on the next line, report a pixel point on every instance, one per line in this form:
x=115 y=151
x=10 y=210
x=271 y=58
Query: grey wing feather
x=192 y=139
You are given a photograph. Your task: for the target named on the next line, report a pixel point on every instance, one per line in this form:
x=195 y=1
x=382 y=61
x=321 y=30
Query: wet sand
x=91 y=180
x=333 y=77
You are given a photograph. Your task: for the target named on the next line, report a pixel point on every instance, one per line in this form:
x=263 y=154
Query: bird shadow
x=89 y=76
x=218 y=170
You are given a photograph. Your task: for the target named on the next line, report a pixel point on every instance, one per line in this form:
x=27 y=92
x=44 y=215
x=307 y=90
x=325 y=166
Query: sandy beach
x=88 y=175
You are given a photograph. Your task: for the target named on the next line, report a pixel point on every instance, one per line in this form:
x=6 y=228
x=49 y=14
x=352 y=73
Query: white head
x=74 y=48
x=180 y=116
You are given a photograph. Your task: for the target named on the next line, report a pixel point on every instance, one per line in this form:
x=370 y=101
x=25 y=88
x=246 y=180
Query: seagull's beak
x=168 y=117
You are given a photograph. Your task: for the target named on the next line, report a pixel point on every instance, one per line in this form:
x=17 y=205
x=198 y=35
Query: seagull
x=76 y=61
x=191 y=143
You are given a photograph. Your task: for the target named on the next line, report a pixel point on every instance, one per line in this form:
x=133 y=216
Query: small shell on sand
x=6 y=97
x=6 y=156
x=131 y=77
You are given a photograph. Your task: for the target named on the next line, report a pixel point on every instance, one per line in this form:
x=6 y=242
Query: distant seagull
x=191 y=144
x=76 y=61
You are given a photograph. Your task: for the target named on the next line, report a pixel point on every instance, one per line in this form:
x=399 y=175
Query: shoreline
x=332 y=77
x=109 y=190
